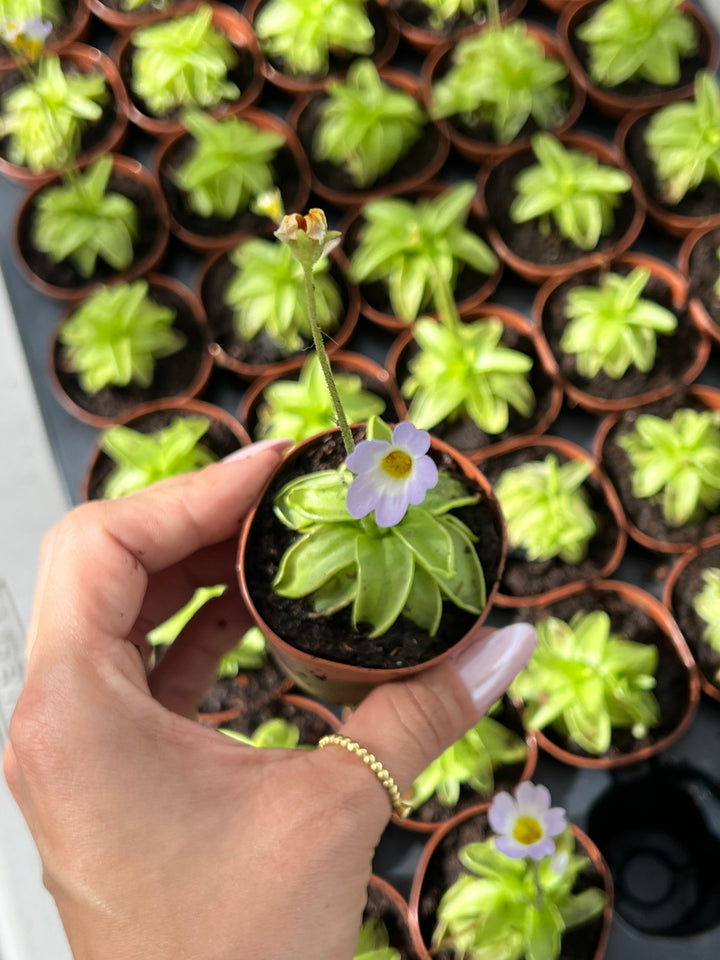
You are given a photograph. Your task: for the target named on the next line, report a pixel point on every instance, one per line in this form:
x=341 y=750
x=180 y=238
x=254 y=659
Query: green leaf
x=385 y=572
x=313 y=559
x=424 y=602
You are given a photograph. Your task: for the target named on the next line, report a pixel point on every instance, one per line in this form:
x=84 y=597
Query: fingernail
x=280 y=444
x=488 y=667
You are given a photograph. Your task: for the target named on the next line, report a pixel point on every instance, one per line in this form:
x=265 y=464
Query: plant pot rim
x=425 y=39
x=216 y=719
x=698 y=310
x=678 y=286
x=124 y=20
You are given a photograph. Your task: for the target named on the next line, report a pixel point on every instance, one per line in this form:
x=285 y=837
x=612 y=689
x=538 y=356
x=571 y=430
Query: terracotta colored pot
x=421 y=923
x=681 y=372
x=214 y=276
x=275 y=708
x=122 y=20
x=676 y=669
x=557 y=6
x=330 y=680
x=673 y=540
x=386 y=41
x=496 y=199
x=123 y=400
x=475 y=149
x=701 y=270
x=615 y=102
x=152 y=241
x=386 y=903
x=686 y=569
x=224 y=436
x=375 y=378
x=699 y=212
x=400 y=352
x=414 y=26
x=73 y=30
x=471 y=290
x=412 y=171
x=209 y=234
x=247 y=74
x=84 y=59
x=611 y=537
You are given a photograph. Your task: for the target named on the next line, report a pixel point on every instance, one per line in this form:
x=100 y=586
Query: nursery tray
x=665 y=868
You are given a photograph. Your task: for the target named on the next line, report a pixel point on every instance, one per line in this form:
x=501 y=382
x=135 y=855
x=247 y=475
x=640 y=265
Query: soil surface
x=249 y=691
x=687 y=586
x=704 y=270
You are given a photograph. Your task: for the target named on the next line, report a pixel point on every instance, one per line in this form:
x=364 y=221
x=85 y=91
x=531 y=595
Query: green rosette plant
x=81 y=220
x=230 y=165
x=706 y=604
x=570 y=189
x=366 y=125
x=586 y=681
x=502 y=76
x=676 y=463
x=250 y=653
x=144 y=458
x=115 y=337
x=303 y=34
x=611 y=327
x=182 y=62
x=547 y=510
x=300 y=408
x=683 y=141
x=409 y=245
x=374 y=942
x=637 y=40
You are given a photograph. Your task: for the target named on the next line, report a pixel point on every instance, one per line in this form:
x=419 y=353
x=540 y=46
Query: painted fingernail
x=280 y=444
x=488 y=667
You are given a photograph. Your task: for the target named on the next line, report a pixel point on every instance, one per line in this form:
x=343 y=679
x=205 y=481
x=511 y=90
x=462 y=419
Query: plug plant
x=144 y=458
x=115 y=337
x=706 y=604
x=408 y=246
x=630 y=40
x=586 y=681
x=570 y=189
x=303 y=34
x=683 y=141
x=374 y=942
x=611 y=327
x=515 y=897
x=231 y=164
x=300 y=408
x=182 y=62
x=81 y=220
x=501 y=76
x=547 y=510
x=675 y=463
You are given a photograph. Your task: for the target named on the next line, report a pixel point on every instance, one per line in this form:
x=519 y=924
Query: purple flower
x=391 y=475
x=526 y=824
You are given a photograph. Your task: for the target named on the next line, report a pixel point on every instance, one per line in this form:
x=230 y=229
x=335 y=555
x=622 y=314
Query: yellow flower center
x=397 y=464
x=527 y=830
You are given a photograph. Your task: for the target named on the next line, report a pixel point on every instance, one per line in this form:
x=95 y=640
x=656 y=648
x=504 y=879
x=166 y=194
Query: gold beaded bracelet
x=401 y=808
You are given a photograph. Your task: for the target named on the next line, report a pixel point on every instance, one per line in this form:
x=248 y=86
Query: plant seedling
x=706 y=604
x=374 y=942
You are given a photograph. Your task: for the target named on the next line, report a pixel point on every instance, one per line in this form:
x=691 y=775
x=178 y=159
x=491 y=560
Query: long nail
x=280 y=444
x=488 y=667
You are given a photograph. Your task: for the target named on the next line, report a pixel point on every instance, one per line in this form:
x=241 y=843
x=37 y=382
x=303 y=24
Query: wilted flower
x=391 y=475
x=526 y=824
x=269 y=204
x=307 y=236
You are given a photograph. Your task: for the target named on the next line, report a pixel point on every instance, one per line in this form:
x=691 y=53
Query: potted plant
x=620 y=335
x=675 y=153
x=286 y=721
x=128 y=344
x=213 y=173
x=565 y=204
x=699 y=262
x=429 y=23
x=564 y=521
x=636 y=54
x=206 y=58
x=127 y=14
x=512 y=875
x=367 y=135
x=397 y=245
x=611 y=681
x=68 y=21
x=664 y=461
x=692 y=594
x=385 y=931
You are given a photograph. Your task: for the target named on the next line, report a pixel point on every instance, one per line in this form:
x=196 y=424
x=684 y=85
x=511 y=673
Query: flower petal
x=362 y=496
x=408 y=437
x=511 y=848
x=502 y=813
x=367 y=454
x=543 y=848
x=391 y=508
x=555 y=821
x=525 y=794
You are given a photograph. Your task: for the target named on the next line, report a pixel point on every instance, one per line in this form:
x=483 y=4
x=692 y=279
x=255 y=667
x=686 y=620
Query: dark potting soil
x=172 y=374
x=248 y=691
x=261 y=350
x=381 y=907
x=311 y=725
x=218 y=438
x=687 y=586
x=672 y=684
x=413 y=164
x=526 y=240
x=417 y=14
x=333 y=637
x=675 y=352
x=64 y=274
x=644 y=513
x=703 y=270
x=463 y=434
x=703 y=201
x=523 y=577
x=444 y=868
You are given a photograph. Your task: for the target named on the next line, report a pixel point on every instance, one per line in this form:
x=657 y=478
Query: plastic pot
x=698 y=261
x=415 y=29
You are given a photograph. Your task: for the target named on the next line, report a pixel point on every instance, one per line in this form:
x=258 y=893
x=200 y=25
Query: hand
x=160 y=837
